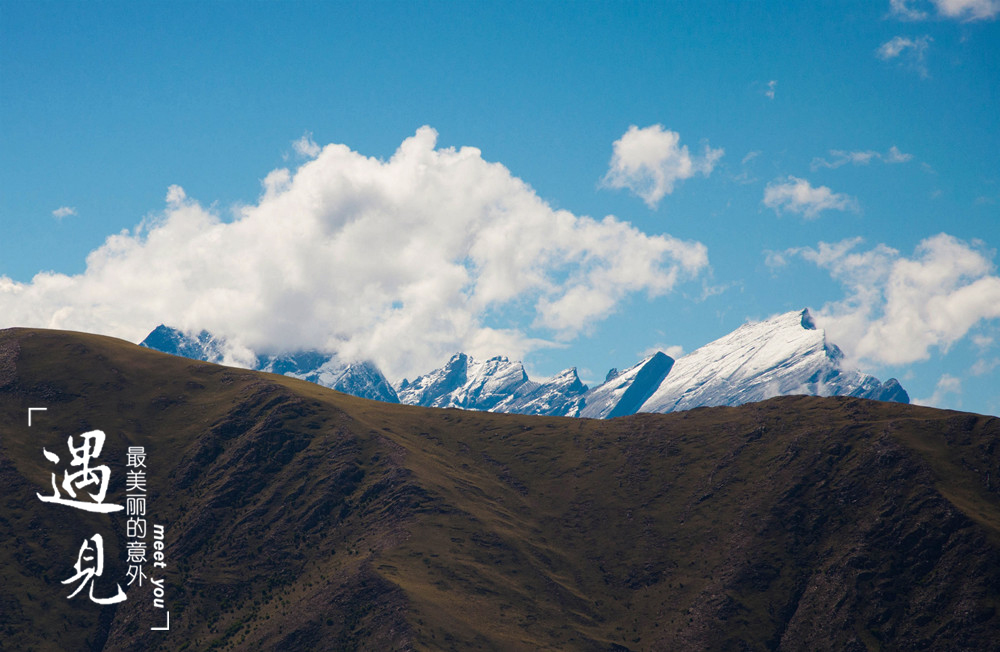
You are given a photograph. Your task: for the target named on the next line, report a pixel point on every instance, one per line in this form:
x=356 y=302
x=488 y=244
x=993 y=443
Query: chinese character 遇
x=93 y=442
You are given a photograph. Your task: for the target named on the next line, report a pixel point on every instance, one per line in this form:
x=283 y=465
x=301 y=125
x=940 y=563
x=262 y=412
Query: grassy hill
x=297 y=517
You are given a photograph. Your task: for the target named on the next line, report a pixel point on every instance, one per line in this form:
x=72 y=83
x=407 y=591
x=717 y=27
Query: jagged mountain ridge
x=359 y=378
x=494 y=385
x=786 y=354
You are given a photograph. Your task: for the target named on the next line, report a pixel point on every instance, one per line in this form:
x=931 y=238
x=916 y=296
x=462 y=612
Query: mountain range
x=295 y=517
x=786 y=354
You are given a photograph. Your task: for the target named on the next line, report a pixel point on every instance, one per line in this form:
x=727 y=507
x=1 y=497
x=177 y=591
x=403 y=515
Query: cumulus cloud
x=840 y=157
x=402 y=261
x=63 y=211
x=650 y=161
x=911 y=52
x=897 y=308
x=796 y=195
x=771 y=85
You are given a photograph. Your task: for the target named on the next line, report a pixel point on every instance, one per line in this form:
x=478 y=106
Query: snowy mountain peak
x=497 y=385
x=359 y=378
x=464 y=382
x=786 y=354
x=561 y=395
x=625 y=392
x=569 y=375
x=199 y=346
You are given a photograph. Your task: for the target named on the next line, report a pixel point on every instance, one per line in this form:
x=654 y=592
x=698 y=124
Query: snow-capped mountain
x=786 y=354
x=563 y=396
x=465 y=383
x=200 y=346
x=495 y=385
x=361 y=378
x=624 y=393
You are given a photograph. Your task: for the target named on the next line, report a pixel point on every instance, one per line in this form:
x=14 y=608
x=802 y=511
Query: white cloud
x=674 y=351
x=770 y=89
x=894 y=47
x=896 y=156
x=983 y=367
x=796 y=195
x=901 y=9
x=306 y=147
x=897 y=308
x=775 y=260
x=983 y=342
x=650 y=161
x=175 y=196
x=402 y=261
x=946 y=385
x=910 y=51
x=744 y=176
x=966 y=10
x=841 y=157
x=63 y=211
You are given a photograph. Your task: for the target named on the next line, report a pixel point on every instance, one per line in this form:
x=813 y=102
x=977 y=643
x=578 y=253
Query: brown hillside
x=300 y=518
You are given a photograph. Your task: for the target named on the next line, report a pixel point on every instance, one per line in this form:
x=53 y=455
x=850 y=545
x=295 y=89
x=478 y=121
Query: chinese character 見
x=90 y=564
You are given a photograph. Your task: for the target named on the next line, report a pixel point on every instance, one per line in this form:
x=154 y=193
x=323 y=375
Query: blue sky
x=812 y=153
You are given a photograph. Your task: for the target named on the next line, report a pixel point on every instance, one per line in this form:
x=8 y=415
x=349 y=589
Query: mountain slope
x=299 y=517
